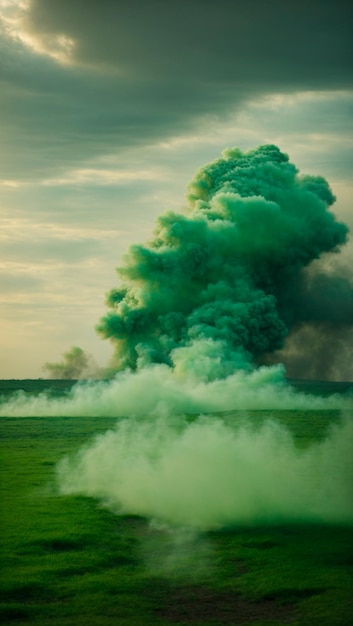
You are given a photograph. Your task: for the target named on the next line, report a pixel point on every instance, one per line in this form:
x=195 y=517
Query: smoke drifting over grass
x=215 y=293
x=160 y=391
x=208 y=474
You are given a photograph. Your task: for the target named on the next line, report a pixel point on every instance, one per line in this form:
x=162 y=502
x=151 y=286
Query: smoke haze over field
x=204 y=471
x=221 y=288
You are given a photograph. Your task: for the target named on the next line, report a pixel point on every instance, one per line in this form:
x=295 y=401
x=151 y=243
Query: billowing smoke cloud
x=215 y=289
x=76 y=364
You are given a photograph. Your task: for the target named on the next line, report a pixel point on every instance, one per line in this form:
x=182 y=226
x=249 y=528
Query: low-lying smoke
x=215 y=292
x=208 y=474
x=159 y=390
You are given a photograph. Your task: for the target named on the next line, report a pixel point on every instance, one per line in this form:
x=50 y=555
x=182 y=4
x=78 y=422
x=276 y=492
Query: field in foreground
x=66 y=561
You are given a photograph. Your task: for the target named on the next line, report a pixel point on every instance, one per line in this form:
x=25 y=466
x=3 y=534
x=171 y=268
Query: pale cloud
x=58 y=47
x=97 y=176
x=14 y=280
x=13 y=184
x=13 y=17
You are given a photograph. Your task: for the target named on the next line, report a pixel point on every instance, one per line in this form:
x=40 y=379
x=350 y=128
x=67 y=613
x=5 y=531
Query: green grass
x=67 y=561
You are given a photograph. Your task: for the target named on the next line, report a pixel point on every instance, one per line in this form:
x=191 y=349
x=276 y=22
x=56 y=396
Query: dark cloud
x=141 y=71
x=68 y=115
x=225 y=41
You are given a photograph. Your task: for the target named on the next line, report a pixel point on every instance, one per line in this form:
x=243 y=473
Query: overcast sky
x=107 y=109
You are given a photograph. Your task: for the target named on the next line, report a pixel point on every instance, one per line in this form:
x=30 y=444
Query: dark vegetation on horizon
x=58 y=387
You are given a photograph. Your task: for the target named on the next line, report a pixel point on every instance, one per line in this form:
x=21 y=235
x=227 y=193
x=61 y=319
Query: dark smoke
x=319 y=352
x=76 y=364
x=320 y=342
x=221 y=285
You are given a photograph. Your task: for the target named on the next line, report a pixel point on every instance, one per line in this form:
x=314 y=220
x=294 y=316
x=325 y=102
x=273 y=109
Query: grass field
x=67 y=561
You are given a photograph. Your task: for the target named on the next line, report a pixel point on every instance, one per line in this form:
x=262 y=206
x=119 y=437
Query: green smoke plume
x=212 y=292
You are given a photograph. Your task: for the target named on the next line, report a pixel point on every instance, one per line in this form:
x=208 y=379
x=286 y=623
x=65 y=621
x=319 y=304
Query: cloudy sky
x=107 y=109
